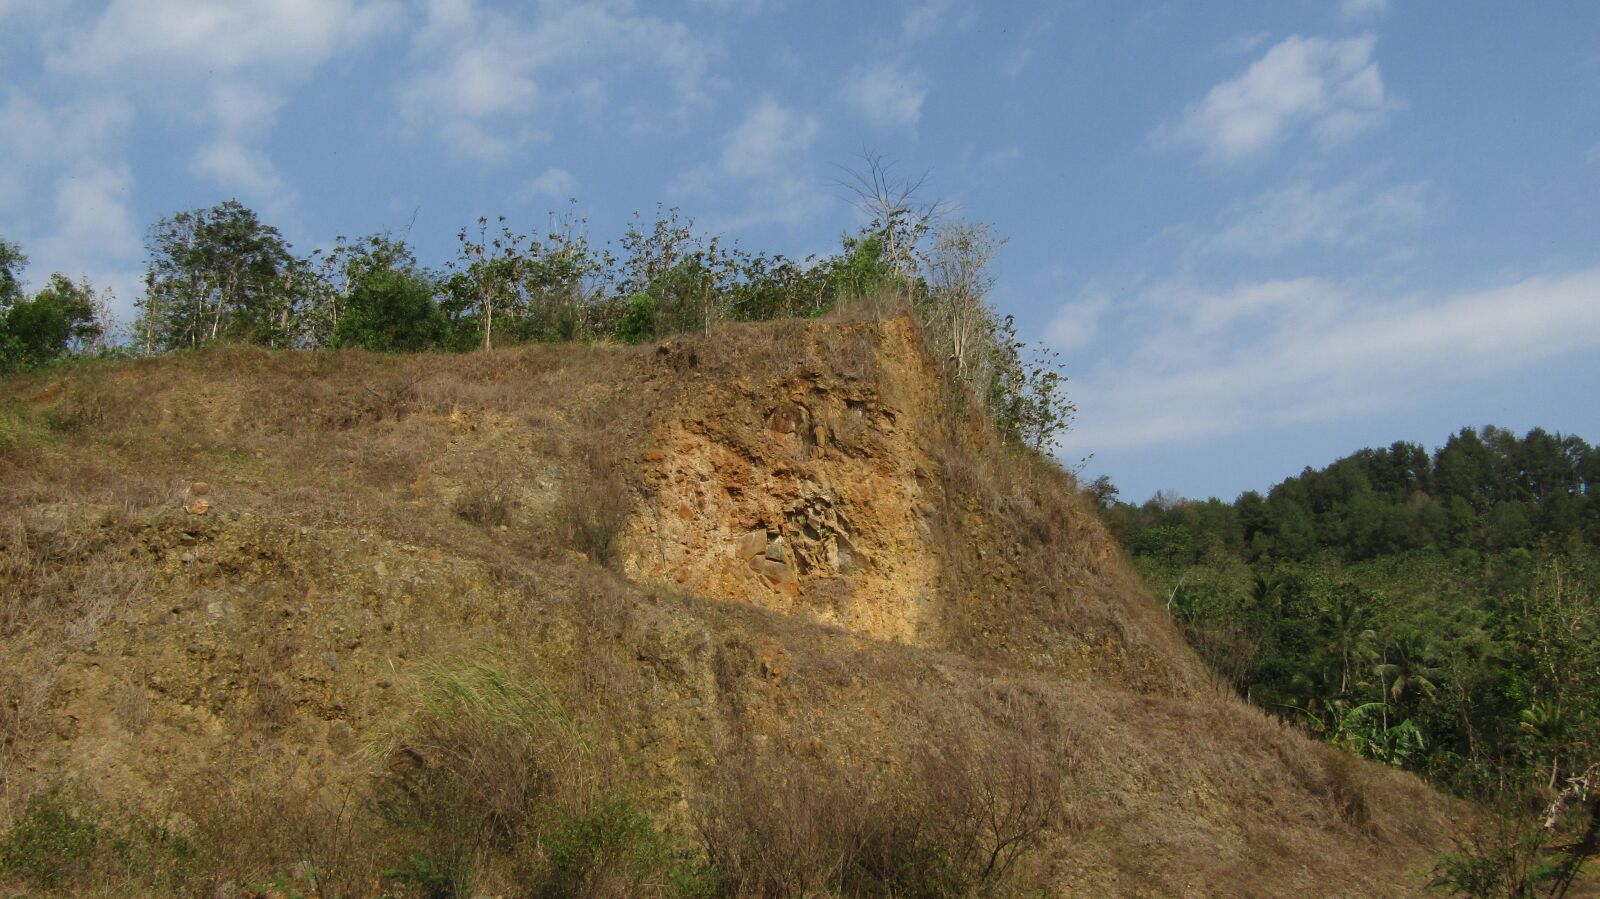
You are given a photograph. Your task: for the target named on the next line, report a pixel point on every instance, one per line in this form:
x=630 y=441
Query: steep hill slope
x=765 y=582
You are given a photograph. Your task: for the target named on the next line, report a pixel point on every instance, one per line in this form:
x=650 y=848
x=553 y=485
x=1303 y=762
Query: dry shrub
x=485 y=505
x=58 y=578
x=956 y=822
x=851 y=352
x=260 y=828
x=263 y=663
x=591 y=510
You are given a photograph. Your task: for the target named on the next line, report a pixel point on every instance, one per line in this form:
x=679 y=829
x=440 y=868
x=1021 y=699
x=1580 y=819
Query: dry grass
x=683 y=746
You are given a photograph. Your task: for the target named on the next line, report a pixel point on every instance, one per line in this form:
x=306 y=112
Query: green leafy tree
x=391 y=311
x=12 y=262
x=217 y=274
x=67 y=316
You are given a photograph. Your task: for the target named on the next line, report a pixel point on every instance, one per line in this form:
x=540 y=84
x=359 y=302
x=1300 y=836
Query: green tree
x=391 y=311
x=12 y=262
x=217 y=274
x=66 y=316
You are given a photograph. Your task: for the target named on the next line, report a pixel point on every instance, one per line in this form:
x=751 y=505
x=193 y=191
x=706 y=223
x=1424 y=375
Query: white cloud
x=217 y=38
x=553 y=183
x=769 y=136
x=227 y=65
x=742 y=7
x=925 y=19
x=763 y=162
x=1077 y=323
x=63 y=195
x=486 y=76
x=1331 y=88
x=93 y=233
x=33 y=133
x=885 y=95
x=91 y=207
x=1002 y=157
x=236 y=167
x=1343 y=215
x=1207 y=364
x=1244 y=43
x=1357 y=10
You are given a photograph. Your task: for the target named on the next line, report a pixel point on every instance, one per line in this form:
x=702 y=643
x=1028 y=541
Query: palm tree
x=1409 y=672
x=1352 y=640
x=1549 y=725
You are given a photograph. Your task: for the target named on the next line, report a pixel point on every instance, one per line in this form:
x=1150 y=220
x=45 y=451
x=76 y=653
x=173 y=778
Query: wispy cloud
x=485 y=76
x=930 y=17
x=1299 y=215
x=229 y=65
x=761 y=169
x=1330 y=88
x=67 y=159
x=1205 y=364
x=1077 y=323
x=886 y=95
x=1358 y=10
x=553 y=183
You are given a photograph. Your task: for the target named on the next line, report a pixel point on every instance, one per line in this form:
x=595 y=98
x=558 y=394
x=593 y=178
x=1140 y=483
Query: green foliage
x=66 y=316
x=1438 y=612
x=431 y=879
x=612 y=840
x=391 y=311
x=218 y=274
x=49 y=842
x=1506 y=861
x=863 y=269
x=638 y=324
x=221 y=274
x=12 y=262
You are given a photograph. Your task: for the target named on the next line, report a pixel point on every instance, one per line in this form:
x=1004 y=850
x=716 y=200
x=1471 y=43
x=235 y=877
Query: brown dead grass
x=225 y=671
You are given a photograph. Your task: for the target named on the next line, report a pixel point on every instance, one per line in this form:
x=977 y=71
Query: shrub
x=591 y=510
x=391 y=311
x=612 y=848
x=487 y=506
x=49 y=842
x=481 y=755
x=638 y=323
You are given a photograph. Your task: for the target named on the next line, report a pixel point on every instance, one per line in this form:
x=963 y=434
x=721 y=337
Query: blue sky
x=1261 y=234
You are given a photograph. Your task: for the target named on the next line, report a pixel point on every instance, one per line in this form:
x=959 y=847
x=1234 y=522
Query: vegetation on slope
x=388 y=653
x=1439 y=612
x=221 y=274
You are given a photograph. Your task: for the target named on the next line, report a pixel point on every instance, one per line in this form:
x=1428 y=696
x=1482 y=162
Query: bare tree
x=893 y=205
x=959 y=278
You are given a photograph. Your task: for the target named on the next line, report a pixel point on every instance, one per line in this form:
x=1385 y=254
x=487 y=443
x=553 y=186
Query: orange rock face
x=815 y=509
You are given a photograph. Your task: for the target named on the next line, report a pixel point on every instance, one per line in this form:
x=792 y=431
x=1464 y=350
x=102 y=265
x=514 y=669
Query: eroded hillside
x=767 y=584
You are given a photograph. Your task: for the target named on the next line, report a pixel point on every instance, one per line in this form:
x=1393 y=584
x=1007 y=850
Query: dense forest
x=1439 y=612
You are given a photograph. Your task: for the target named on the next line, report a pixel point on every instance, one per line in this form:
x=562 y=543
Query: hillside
x=346 y=623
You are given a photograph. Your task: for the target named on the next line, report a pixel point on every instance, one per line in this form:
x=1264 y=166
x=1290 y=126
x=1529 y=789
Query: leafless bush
x=591 y=510
x=485 y=505
x=955 y=822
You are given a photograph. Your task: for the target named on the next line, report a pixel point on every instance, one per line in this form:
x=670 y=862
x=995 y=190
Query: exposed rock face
x=806 y=496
